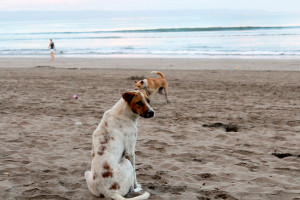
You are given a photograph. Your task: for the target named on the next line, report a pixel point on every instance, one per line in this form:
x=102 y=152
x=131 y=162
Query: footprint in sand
x=204 y=176
x=156 y=145
x=164 y=188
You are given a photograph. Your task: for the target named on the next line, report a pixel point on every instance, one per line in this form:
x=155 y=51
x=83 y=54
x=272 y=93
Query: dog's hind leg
x=166 y=92
x=123 y=178
x=160 y=91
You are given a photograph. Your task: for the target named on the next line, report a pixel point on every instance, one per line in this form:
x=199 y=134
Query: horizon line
x=143 y=10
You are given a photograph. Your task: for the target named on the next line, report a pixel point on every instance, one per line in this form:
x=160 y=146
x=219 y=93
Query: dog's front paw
x=138 y=189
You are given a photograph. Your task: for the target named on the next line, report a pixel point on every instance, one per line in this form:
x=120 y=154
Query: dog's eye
x=148 y=101
x=140 y=103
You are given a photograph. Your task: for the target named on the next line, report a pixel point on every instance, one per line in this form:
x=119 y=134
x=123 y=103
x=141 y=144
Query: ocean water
x=195 y=34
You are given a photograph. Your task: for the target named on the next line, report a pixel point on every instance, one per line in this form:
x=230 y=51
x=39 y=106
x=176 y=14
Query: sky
x=116 y=5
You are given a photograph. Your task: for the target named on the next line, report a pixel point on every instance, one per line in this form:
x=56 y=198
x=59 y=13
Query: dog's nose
x=150 y=114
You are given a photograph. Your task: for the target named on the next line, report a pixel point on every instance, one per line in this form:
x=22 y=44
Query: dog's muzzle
x=149 y=114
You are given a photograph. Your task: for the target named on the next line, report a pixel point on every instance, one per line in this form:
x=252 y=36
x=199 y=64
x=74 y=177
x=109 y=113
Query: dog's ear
x=135 y=81
x=128 y=96
x=142 y=82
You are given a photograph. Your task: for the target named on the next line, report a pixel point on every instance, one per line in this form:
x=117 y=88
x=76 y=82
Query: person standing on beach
x=52 y=49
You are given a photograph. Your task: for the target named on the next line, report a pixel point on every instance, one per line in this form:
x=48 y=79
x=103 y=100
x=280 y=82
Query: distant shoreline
x=155 y=63
x=144 y=56
x=133 y=56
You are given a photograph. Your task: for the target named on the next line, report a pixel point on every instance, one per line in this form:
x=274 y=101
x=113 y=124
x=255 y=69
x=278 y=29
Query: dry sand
x=179 y=155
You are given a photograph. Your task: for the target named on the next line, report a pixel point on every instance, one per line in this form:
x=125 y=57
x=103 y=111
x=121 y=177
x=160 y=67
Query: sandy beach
x=231 y=131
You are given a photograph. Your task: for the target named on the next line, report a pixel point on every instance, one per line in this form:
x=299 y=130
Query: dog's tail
x=159 y=73
x=116 y=196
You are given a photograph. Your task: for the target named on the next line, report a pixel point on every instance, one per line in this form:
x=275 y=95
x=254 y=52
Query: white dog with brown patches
x=113 y=159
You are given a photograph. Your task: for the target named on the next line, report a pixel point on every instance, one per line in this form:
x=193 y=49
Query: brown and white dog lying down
x=112 y=172
x=153 y=85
